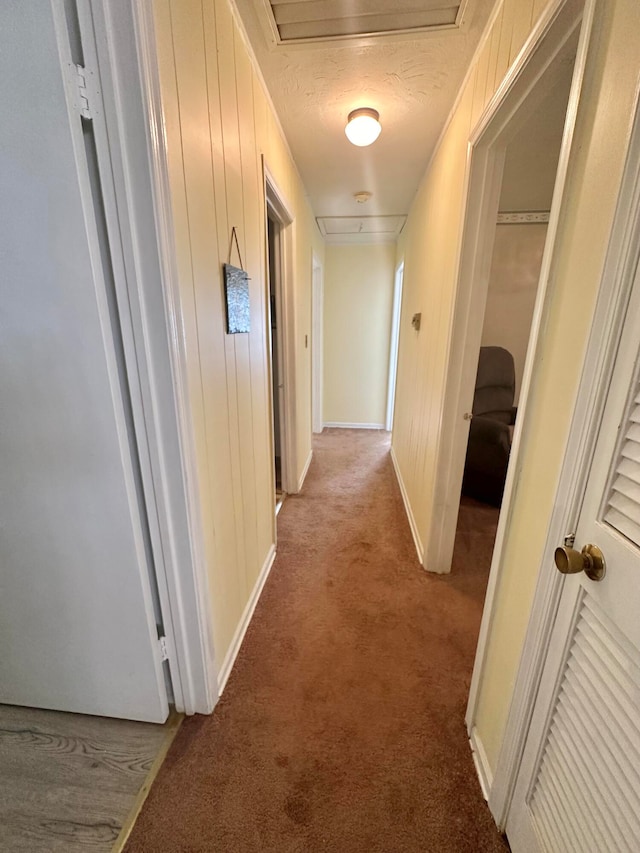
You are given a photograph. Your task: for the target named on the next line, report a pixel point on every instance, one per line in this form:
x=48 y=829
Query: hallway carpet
x=342 y=724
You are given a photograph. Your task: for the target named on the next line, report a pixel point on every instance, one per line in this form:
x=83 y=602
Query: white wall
x=513 y=283
x=358 y=301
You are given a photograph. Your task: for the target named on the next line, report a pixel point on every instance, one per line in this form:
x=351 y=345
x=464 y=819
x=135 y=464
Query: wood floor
x=74 y=783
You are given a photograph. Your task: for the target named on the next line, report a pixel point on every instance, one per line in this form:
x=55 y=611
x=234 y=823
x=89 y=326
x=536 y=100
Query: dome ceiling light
x=363 y=126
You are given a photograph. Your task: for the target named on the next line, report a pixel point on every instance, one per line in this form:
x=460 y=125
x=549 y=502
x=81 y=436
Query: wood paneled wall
x=219 y=125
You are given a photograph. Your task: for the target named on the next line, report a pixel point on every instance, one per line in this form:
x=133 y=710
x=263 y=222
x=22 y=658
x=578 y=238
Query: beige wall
x=218 y=126
x=430 y=245
x=513 y=284
x=358 y=297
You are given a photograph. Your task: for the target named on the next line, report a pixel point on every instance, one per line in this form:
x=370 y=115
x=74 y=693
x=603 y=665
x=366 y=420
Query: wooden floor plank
x=70 y=782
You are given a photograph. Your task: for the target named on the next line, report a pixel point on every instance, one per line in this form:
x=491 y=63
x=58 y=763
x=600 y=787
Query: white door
x=77 y=625
x=579 y=785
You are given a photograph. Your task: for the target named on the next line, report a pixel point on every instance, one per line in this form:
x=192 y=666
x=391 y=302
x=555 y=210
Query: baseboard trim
x=483 y=769
x=241 y=630
x=407 y=508
x=342 y=425
x=305 y=471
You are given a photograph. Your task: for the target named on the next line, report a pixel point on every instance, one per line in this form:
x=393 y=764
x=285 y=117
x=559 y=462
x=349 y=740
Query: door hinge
x=88 y=94
x=164 y=651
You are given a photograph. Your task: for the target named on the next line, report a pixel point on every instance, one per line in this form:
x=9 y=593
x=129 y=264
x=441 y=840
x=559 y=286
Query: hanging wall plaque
x=236 y=292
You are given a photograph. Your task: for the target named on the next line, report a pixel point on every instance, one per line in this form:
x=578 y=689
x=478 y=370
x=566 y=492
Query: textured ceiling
x=411 y=81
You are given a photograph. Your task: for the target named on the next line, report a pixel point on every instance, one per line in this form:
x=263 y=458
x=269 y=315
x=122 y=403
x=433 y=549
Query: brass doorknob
x=590 y=560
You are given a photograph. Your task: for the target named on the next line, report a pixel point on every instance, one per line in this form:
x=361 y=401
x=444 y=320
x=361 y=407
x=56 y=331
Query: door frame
x=277 y=205
x=132 y=158
x=623 y=254
x=393 y=344
x=317 y=342
x=517 y=96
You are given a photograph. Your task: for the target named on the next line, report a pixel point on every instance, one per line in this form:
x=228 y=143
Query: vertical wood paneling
x=521 y=26
x=257 y=485
x=496 y=33
x=191 y=77
x=538 y=8
x=481 y=82
x=218 y=125
x=216 y=379
x=228 y=109
x=504 y=49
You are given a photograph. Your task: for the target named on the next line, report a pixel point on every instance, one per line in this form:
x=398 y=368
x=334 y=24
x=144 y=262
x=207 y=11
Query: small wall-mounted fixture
x=362 y=196
x=363 y=126
x=415 y=321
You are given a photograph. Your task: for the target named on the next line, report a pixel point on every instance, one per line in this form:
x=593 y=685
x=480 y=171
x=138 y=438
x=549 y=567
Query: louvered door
x=579 y=785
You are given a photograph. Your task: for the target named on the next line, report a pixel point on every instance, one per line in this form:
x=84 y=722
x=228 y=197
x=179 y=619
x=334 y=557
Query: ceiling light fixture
x=363 y=126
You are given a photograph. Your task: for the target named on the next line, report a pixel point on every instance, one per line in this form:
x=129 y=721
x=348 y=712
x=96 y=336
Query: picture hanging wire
x=234 y=236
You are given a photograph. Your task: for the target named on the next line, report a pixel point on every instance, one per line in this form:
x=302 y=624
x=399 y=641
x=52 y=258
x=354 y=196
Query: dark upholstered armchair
x=485 y=468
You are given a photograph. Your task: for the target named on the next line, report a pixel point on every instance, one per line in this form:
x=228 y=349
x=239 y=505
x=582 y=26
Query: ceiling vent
x=302 y=21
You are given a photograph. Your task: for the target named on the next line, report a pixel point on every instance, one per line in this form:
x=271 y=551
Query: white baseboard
x=305 y=471
x=407 y=506
x=341 y=425
x=482 y=763
x=238 y=637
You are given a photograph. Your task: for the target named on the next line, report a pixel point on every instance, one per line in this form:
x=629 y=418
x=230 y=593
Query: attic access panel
x=360 y=229
x=299 y=21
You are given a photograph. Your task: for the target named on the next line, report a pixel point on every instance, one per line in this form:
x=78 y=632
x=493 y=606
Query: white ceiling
x=411 y=79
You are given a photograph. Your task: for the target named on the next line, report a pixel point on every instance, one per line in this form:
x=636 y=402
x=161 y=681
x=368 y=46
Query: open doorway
x=279 y=225
x=519 y=236
x=317 y=285
x=393 y=346
x=554 y=55
x=529 y=174
x=277 y=350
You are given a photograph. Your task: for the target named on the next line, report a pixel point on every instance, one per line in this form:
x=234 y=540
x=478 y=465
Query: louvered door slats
x=603 y=765
x=615 y=736
x=578 y=819
x=597 y=765
x=622 y=507
x=630 y=470
x=623 y=679
x=620 y=648
x=586 y=796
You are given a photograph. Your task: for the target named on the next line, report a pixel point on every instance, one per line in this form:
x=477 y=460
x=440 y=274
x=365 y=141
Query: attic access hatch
x=303 y=21
x=360 y=229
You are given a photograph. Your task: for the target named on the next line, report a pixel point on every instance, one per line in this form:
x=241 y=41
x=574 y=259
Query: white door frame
x=393 y=345
x=623 y=252
x=317 y=307
x=133 y=166
x=278 y=207
x=487 y=159
x=518 y=95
